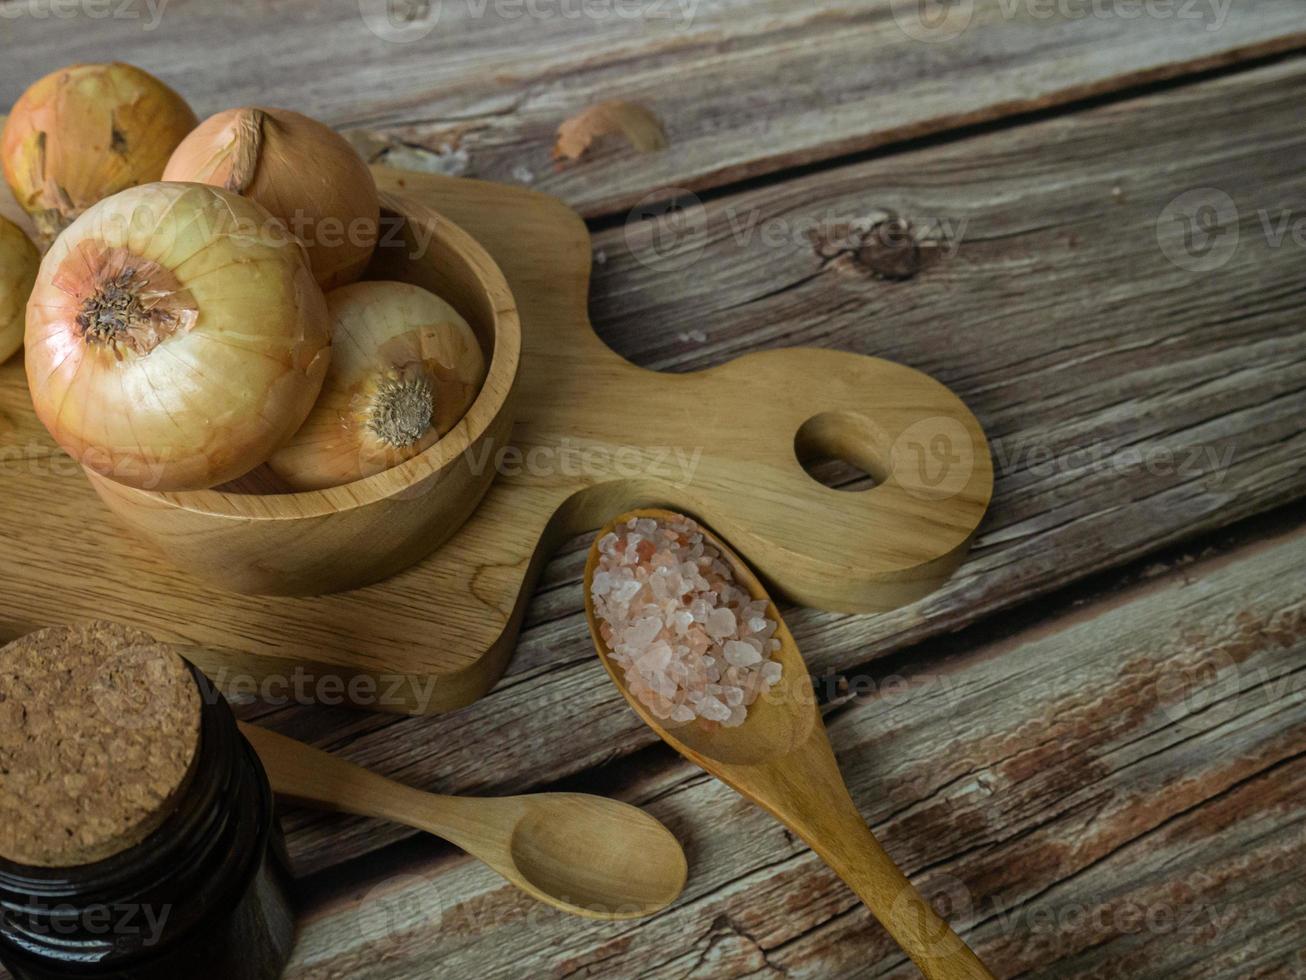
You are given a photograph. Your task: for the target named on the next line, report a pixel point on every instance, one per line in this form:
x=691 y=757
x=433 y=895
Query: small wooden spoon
x=780 y=758
x=587 y=855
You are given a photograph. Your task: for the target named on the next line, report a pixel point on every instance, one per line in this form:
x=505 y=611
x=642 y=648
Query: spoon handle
x=859 y=859
x=805 y=791
x=310 y=776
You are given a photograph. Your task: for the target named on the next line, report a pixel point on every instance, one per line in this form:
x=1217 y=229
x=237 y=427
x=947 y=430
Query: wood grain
x=1118 y=789
x=743 y=88
x=1059 y=319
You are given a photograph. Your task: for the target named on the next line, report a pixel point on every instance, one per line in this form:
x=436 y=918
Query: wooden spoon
x=586 y=855
x=780 y=758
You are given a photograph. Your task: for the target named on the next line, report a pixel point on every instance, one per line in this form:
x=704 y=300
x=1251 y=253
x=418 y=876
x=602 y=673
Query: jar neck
x=127 y=905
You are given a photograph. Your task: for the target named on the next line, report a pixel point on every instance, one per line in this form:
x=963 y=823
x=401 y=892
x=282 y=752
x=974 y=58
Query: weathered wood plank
x=1116 y=790
x=744 y=88
x=1060 y=322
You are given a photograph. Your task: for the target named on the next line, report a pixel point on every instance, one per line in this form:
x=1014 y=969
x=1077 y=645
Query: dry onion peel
x=638 y=125
x=175 y=337
x=19 y=261
x=84 y=133
x=303 y=172
x=406 y=367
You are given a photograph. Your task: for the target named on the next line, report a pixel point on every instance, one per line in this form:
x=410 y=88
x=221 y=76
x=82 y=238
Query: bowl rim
x=490 y=401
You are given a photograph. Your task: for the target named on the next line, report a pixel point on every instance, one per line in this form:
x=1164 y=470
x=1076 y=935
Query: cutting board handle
x=729 y=444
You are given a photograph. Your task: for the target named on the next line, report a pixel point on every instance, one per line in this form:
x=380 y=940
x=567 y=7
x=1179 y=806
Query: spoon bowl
x=780 y=758
x=597 y=857
x=778 y=722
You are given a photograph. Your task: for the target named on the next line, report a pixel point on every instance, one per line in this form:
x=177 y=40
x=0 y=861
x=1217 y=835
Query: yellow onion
x=303 y=172
x=84 y=133
x=175 y=337
x=18 y=264
x=404 y=370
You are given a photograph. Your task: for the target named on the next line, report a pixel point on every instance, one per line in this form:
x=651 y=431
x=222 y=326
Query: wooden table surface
x=1090 y=746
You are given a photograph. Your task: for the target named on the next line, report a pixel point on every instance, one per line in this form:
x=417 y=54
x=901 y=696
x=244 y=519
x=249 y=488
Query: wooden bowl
x=349 y=536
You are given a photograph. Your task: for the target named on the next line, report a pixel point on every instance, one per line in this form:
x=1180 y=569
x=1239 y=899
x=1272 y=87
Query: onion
x=18 y=264
x=175 y=337
x=405 y=369
x=85 y=132
x=303 y=172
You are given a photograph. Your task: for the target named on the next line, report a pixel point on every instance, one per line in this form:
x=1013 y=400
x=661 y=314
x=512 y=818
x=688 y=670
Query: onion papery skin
x=175 y=337
x=387 y=336
x=19 y=261
x=84 y=133
x=303 y=172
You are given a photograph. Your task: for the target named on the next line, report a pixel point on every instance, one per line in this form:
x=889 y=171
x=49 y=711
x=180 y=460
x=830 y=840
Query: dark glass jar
x=206 y=895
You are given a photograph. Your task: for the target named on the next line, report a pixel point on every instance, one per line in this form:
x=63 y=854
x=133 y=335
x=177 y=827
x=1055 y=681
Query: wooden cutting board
x=595 y=436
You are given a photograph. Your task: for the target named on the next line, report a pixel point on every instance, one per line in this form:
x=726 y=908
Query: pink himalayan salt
x=692 y=643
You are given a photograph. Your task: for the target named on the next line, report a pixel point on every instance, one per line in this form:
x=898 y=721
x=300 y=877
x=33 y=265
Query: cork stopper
x=99 y=731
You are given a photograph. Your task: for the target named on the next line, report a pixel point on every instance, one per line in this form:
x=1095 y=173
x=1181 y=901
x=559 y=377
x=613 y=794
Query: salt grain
x=721 y=623
x=691 y=643
x=741 y=654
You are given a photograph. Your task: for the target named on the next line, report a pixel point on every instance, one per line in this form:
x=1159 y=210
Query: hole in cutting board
x=838 y=450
